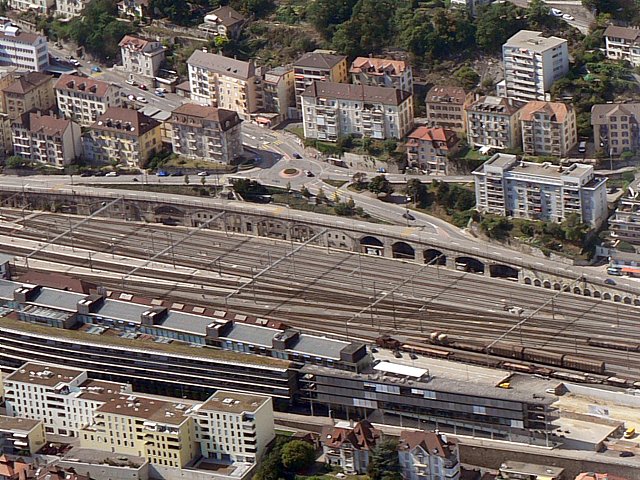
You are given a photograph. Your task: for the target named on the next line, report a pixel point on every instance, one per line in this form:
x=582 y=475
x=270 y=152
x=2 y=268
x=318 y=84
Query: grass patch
x=284 y=433
x=197 y=164
x=297 y=131
x=191 y=190
x=335 y=183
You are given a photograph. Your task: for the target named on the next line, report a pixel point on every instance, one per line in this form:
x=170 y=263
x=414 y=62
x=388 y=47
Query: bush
x=298 y=455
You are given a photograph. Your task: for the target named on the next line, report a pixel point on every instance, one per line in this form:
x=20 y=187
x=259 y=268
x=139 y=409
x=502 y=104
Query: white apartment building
x=382 y=72
x=427 y=455
x=206 y=133
x=46 y=139
x=623 y=43
x=141 y=57
x=532 y=63
x=40 y=6
x=83 y=99
x=331 y=110
x=234 y=427
x=616 y=127
x=494 y=122
x=64 y=399
x=68 y=9
x=223 y=82
x=26 y=51
x=548 y=128
x=510 y=187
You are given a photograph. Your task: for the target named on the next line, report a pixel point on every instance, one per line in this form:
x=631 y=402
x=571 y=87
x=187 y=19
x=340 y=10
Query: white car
x=131 y=97
x=130 y=82
x=203 y=174
x=556 y=12
x=566 y=16
x=142 y=100
x=112 y=174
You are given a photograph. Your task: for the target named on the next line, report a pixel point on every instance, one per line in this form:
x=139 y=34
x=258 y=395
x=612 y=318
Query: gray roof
x=119 y=310
x=5 y=257
x=325 y=61
x=7 y=288
x=627 y=33
x=252 y=334
x=186 y=322
x=534 y=41
x=605 y=109
x=319 y=346
x=365 y=93
x=61 y=299
x=222 y=65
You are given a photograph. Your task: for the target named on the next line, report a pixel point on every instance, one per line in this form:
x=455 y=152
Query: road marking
x=407 y=232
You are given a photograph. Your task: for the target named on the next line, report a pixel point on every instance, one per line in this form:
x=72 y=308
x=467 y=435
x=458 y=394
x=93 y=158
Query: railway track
x=322 y=289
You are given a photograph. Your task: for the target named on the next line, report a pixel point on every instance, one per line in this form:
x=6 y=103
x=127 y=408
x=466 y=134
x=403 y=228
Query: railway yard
x=341 y=293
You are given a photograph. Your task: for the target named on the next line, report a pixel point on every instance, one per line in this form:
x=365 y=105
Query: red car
x=143 y=87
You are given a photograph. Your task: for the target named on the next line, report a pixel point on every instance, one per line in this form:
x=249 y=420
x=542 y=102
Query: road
x=583 y=18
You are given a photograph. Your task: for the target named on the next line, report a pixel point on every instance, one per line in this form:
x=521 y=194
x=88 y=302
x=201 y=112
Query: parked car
x=143 y=87
x=297 y=155
x=86 y=174
x=160 y=94
x=566 y=16
x=203 y=174
x=177 y=174
x=610 y=281
x=627 y=453
x=75 y=63
x=111 y=174
x=408 y=216
x=556 y=12
x=309 y=173
x=131 y=97
x=131 y=82
x=162 y=173
x=142 y=99
x=96 y=69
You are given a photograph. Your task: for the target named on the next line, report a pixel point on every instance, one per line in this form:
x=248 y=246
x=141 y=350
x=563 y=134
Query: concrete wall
x=168 y=473
x=107 y=472
x=617 y=398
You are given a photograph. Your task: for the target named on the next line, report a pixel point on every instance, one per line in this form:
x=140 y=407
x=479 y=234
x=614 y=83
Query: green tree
x=380 y=184
x=186 y=180
x=15 y=161
x=270 y=467
x=385 y=463
x=359 y=180
x=321 y=197
x=297 y=455
x=304 y=191
x=467 y=76
x=418 y=192
x=496 y=23
x=574 y=229
x=496 y=227
x=325 y=15
x=538 y=15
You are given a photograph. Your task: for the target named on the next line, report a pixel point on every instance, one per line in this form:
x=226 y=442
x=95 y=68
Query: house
x=494 y=122
x=278 y=88
x=68 y=9
x=444 y=107
x=616 y=127
x=27 y=51
x=349 y=446
x=428 y=455
x=39 y=6
x=46 y=138
x=123 y=136
x=141 y=57
x=82 y=99
x=31 y=91
x=428 y=149
x=548 y=128
x=223 y=21
x=331 y=110
x=206 y=133
x=623 y=43
x=227 y=83
x=532 y=62
x=319 y=66
x=136 y=9
x=382 y=72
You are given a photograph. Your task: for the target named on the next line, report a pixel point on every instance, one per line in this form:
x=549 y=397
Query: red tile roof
x=555 y=109
x=82 y=84
x=377 y=66
x=362 y=436
x=436 y=134
x=446 y=94
x=27 y=83
x=431 y=442
x=47 y=124
x=124 y=120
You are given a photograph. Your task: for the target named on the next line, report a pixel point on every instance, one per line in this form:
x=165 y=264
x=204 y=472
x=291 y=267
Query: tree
x=418 y=192
x=203 y=180
x=298 y=455
x=385 y=463
x=325 y=15
x=186 y=180
x=321 y=197
x=380 y=184
x=304 y=191
x=538 y=15
x=496 y=227
x=467 y=76
x=496 y=23
x=270 y=467
x=15 y=161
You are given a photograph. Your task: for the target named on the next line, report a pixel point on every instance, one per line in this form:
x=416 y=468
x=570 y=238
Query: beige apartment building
x=206 y=133
x=494 y=122
x=382 y=72
x=82 y=99
x=318 y=66
x=428 y=149
x=623 y=43
x=279 y=92
x=125 y=136
x=21 y=436
x=616 y=127
x=548 y=128
x=31 y=91
x=445 y=107
x=141 y=57
x=222 y=82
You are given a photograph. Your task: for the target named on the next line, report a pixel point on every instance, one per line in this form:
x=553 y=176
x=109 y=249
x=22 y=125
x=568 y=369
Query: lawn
x=194 y=189
x=335 y=183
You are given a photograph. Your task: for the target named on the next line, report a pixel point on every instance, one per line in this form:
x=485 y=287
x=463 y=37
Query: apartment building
x=318 y=66
x=26 y=51
x=207 y=133
x=64 y=399
x=623 y=43
x=494 y=122
x=331 y=110
x=548 y=128
x=156 y=429
x=46 y=138
x=136 y=9
x=31 y=91
x=428 y=149
x=226 y=83
x=349 y=446
x=535 y=191
x=278 y=89
x=68 y=9
x=445 y=107
x=21 y=436
x=532 y=62
x=83 y=99
x=125 y=136
x=224 y=21
x=234 y=427
x=428 y=455
x=141 y=57
x=510 y=470
x=616 y=127
x=381 y=72
x=625 y=222
x=39 y=6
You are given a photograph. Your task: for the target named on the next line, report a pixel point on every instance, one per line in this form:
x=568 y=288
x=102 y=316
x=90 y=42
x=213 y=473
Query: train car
x=539 y=356
x=575 y=362
x=569 y=377
x=617 y=381
x=518 y=367
x=508 y=350
x=484 y=360
x=387 y=341
x=438 y=338
x=426 y=351
x=471 y=347
x=613 y=344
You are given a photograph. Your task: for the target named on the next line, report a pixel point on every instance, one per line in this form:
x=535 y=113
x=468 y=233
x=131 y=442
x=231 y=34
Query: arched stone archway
x=627 y=300
x=537 y=282
x=546 y=284
x=503 y=271
x=606 y=296
x=434 y=257
x=403 y=250
x=617 y=298
x=371 y=246
x=557 y=286
x=469 y=264
x=527 y=281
